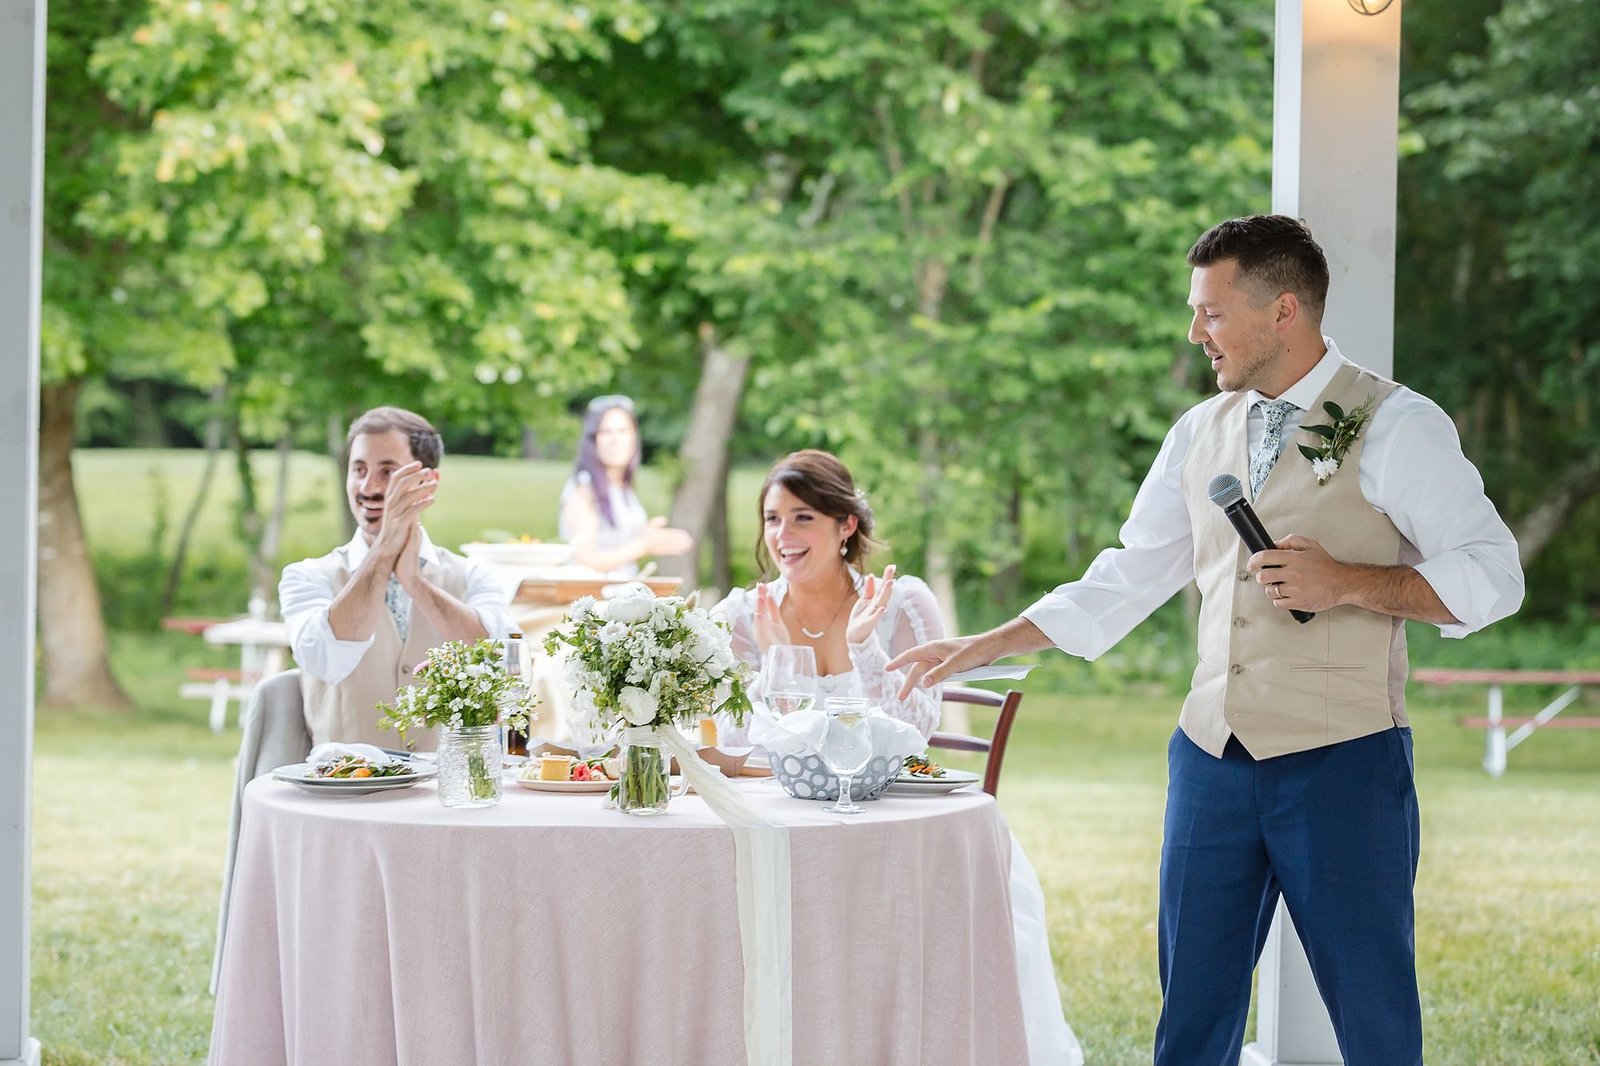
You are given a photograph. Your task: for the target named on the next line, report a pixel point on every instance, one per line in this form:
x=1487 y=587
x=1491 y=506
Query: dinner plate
x=905 y=785
x=300 y=774
x=566 y=786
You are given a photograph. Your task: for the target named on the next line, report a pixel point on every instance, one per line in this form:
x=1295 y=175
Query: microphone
x=1226 y=492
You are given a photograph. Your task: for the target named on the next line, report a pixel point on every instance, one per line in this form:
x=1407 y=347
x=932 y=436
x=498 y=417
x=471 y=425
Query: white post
x=21 y=212
x=1335 y=133
x=1494 y=759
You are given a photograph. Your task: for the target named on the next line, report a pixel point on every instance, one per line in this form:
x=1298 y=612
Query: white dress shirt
x=305 y=593
x=1411 y=469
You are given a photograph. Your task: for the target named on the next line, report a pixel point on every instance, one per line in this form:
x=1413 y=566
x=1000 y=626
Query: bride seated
x=816 y=534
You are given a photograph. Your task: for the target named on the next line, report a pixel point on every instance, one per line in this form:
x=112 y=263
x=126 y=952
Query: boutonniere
x=1336 y=438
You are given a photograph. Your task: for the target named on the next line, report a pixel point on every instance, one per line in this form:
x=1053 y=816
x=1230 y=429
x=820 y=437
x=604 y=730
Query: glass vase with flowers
x=464 y=691
x=642 y=664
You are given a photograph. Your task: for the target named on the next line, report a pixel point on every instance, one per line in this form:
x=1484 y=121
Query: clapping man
x=1290 y=773
x=363 y=616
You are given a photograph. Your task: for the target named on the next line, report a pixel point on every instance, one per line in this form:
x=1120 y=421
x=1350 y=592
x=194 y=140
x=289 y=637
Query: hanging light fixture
x=1370 y=7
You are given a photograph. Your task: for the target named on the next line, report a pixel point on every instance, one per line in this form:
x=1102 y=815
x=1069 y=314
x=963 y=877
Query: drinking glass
x=846 y=746
x=790 y=678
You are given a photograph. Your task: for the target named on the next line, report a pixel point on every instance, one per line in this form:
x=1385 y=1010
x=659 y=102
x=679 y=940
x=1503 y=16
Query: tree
x=988 y=202
x=1502 y=238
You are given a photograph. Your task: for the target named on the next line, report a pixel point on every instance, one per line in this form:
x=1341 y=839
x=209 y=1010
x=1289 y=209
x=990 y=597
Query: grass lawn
x=130 y=821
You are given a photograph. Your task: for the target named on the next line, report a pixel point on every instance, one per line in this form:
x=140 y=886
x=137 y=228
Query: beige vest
x=347 y=711
x=1278 y=685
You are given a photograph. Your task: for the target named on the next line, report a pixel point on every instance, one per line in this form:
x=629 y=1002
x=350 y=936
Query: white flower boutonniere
x=1329 y=452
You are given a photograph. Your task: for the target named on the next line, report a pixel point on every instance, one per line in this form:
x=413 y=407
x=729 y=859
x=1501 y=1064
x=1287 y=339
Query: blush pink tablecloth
x=386 y=929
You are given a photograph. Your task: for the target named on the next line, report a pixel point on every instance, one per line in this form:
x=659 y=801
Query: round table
x=387 y=929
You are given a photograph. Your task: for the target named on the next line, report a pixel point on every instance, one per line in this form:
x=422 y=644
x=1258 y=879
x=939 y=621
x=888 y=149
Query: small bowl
x=548 y=748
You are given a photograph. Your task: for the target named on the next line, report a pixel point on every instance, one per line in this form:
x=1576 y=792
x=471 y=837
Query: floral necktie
x=1277 y=412
x=397 y=606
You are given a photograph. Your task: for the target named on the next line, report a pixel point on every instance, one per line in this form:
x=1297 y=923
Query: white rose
x=629 y=608
x=638 y=706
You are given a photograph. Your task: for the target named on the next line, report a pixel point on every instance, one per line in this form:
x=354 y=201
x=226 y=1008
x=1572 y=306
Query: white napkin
x=990 y=673
x=328 y=752
x=800 y=733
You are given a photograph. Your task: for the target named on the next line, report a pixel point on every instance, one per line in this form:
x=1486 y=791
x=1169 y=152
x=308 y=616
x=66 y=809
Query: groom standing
x=1290 y=772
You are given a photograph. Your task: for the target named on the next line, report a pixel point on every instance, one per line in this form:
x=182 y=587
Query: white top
x=911 y=618
x=629 y=517
x=305 y=593
x=1412 y=470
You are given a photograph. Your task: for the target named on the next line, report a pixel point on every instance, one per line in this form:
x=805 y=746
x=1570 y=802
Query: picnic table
x=1499 y=743
x=261 y=643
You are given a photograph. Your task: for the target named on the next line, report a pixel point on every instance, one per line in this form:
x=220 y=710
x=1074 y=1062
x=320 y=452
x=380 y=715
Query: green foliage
x=983 y=204
x=1500 y=254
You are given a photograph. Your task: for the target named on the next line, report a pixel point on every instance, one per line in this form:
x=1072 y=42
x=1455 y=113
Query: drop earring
x=844 y=548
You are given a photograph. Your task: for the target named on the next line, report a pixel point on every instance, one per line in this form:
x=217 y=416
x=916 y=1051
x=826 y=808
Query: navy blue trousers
x=1334 y=832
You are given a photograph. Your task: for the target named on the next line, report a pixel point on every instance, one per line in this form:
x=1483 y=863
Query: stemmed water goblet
x=789 y=679
x=846 y=746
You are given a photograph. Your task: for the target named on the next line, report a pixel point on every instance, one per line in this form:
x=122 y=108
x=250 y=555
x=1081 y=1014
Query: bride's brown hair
x=824 y=484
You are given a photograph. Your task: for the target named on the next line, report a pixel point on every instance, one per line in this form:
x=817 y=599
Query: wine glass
x=846 y=746
x=790 y=678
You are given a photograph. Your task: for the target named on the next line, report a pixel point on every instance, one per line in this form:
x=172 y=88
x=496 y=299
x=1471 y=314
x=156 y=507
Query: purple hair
x=589 y=453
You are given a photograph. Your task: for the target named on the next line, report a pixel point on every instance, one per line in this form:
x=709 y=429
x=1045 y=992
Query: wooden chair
x=995 y=746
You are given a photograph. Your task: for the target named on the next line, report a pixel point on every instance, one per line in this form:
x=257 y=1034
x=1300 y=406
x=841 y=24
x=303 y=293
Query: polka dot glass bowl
x=804 y=777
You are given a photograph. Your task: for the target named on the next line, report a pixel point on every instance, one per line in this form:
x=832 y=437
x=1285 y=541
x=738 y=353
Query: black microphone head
x=1225 y=490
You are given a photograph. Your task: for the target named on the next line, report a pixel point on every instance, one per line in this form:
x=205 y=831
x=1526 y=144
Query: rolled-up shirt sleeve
x=1434 y=496
x=488 y=595
x=304 y=595
x=1123 y=585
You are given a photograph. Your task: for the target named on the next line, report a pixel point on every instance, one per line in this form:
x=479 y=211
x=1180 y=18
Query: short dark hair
x=427 y=447
x=1274 y=252
x=823 y=483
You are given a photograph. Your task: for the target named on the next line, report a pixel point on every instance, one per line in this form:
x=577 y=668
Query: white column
x=21 y=211
x=1335 y=126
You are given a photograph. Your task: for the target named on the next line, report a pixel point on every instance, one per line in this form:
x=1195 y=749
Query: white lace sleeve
x=738 y=610
x=912 y=618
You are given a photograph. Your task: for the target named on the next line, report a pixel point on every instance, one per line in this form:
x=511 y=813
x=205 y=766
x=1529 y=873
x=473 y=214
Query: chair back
x=995 y=745
x=273 y=734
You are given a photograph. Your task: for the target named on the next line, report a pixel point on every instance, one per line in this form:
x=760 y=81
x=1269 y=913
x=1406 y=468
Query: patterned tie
x=1277 y=413
x=397 y=606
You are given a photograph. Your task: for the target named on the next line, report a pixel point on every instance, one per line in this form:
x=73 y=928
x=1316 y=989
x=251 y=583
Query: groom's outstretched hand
x=932 y=662
x=936 y=660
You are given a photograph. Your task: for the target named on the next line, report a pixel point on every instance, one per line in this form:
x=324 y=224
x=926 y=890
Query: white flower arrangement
x=645 y=661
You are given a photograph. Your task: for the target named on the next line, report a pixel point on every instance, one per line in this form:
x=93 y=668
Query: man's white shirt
x=305 y=594
x=1412 y=470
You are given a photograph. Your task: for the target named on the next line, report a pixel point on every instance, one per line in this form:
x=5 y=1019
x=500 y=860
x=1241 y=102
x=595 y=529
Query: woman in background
x=601 y=516
x=816 y=532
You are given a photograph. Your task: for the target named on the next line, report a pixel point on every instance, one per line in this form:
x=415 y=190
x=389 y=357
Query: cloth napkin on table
x=800 y=733
x=375 y=755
